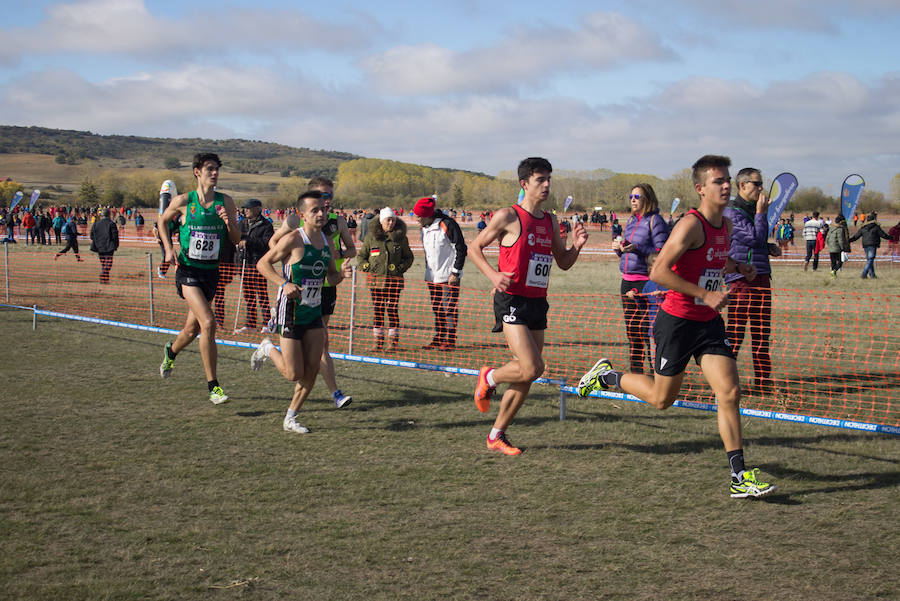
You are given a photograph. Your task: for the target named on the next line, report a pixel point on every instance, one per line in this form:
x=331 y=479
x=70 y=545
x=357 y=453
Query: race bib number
x=204 y=246
x=311 y=292
x=710 y=279
x=539 y=271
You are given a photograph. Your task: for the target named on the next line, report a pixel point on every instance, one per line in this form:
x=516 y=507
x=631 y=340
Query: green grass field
x=119 y=485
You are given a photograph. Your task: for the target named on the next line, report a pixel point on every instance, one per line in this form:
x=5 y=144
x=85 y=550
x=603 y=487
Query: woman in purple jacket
x=644 y=234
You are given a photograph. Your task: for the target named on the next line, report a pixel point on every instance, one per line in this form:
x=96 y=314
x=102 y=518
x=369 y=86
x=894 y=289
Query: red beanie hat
x=424 y=207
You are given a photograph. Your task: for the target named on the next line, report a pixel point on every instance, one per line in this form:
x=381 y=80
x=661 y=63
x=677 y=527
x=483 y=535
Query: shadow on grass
x=835 y=483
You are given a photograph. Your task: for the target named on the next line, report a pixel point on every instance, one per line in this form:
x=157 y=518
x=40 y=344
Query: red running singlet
x=703 y=267
x=530 y=257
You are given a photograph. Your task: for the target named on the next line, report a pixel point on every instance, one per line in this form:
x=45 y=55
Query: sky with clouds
x=808 y=86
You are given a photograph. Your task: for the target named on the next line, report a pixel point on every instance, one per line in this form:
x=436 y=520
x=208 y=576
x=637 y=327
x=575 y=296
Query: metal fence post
x=150 y=279
x=6 y=263
x=562 y=403
x=34 y=317
x=352 y=310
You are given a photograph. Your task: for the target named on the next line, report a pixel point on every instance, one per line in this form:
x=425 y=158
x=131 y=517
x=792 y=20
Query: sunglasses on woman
x=634 y=197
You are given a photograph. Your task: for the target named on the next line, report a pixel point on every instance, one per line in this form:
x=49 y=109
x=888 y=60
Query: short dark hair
x=532 y=164
x=705 y=163
x=308 y=194
x=320 y=181
x=744 y=174
x=815 y=214
x=201 y=157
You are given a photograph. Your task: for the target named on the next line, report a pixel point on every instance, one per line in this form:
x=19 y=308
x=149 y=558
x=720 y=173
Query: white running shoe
x=341 y=399
x=245 y=330
x=260 y=355
x=290 y=425
x=217 y=396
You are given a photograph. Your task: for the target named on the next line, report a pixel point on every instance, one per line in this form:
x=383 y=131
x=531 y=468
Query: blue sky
x=806 y=86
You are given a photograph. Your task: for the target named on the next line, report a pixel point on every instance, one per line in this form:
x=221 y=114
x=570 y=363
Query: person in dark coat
x=104 y=242
x=871 y=234
x=256 y=231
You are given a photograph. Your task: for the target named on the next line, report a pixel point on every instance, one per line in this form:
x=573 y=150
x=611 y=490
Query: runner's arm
x=175 y=210
x=230 y=219
x=279 y=254
x=566 y=257
x=498 y=227
x=349 y=246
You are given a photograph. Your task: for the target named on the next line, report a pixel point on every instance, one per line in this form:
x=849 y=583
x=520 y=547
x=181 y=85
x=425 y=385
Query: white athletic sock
x=489 y=376
x=495 y=433
x=291 y=414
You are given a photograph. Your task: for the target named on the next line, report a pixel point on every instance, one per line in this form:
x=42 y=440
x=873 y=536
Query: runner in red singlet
x=691 y=265
x=529 y=242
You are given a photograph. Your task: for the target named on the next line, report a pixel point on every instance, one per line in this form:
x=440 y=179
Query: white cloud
x=526 y=58
x=127 y=27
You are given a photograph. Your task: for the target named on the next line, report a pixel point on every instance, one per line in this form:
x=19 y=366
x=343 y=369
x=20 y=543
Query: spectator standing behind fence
x=58 y=222
x=750 y=299
x=837 y=242
x=871 y=234
x=385 y=255
x=811 y=229
x=28 y=222
x=445 y=256
x=644 y=234
x=104 y=242
x=70 y=233
x=256 y=231
x=894 y=241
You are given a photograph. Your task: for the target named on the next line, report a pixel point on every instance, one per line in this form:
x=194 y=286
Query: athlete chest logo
x=531 y=239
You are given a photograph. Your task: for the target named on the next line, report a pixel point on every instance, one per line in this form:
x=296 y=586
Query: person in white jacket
x=445 y=255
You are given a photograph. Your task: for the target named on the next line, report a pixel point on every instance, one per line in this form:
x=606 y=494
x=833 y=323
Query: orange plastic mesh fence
x=834 y=354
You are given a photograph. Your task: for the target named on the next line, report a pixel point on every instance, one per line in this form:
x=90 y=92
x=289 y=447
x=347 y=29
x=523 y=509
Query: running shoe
x=483 y=391
x=217 y=396
x=167 y=365
x=501 y=444
x=260 y=355
x=592 y=379
x=341 y=400
x=290 y=425
x=749 y=486
x=160 y=273
x=245 y=330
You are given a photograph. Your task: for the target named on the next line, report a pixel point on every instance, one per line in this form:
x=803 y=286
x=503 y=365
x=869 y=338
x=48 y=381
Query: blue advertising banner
x=675 y=202
x=16 y=200
x=783 y=188
x=34 y=197
x=851 y=190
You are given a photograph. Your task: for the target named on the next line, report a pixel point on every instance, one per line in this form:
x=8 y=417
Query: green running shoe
x=591 y=380
x=165 y=369
x=218 y=396
x=749 y=485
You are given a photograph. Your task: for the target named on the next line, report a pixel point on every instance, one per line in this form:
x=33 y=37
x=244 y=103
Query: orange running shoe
x=501 y=444
x=483 y=391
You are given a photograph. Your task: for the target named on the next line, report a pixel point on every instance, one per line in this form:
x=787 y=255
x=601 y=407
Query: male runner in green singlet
x=207 y=218
x=307 y=255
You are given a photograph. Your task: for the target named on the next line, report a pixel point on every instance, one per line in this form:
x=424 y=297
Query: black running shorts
x=520 y=310
x=298 y=331
x=205 y=279
x=678 y=339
